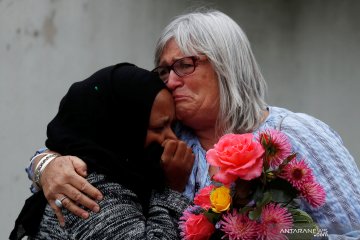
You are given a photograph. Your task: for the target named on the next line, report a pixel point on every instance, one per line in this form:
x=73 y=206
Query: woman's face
x=161 y=118
x=196 y=95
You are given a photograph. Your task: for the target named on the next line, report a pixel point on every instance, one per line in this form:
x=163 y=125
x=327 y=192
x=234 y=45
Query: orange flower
x=220 y=199
x=237 y=155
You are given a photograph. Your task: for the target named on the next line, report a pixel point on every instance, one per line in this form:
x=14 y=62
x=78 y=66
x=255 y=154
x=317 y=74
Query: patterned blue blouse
x=323 y=149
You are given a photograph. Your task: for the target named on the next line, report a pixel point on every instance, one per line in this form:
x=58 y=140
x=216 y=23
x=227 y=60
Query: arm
x=65 y=175
x=30 y=169
x=122 y=217
x=166 y=207
x=335 y=169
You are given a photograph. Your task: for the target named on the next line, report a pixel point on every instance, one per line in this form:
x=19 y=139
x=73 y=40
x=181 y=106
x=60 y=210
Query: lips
x=179 y=97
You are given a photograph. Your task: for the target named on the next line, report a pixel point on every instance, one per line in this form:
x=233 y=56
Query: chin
x=182 y=116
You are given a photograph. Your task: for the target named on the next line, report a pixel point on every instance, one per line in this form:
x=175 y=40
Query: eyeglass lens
x=181 y=67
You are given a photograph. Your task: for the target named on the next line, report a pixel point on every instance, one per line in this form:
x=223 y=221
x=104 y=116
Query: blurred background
x=308 y=51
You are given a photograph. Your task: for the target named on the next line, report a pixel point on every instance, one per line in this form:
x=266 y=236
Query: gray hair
x=241 y=84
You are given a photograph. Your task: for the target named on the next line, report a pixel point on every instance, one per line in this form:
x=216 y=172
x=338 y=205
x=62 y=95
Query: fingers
x=170 y=147
x=61 y=178
x=177 y=154
x=81 y=193
x=184 y=155
x=81 y=184
x=58 y=214
x=79 y=165
x=75 y=209
x=177 y=161
x=68 y=204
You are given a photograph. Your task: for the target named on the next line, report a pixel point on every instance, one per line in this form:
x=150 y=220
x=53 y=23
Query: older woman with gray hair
x=206 y=61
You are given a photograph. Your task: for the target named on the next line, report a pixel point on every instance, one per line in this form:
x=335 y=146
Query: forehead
x=163 y=105
x=171 y=53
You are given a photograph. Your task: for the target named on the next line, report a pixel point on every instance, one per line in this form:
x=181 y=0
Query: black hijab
x=103 y=120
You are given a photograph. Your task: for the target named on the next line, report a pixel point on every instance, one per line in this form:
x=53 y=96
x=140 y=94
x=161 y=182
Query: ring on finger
x=58 y=202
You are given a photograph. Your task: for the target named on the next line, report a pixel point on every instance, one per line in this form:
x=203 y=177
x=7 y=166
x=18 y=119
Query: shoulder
x=317 y=142
x=303 y=126
x=313 y=139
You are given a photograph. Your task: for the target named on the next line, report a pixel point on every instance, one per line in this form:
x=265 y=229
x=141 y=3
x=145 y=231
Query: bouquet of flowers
x=256 y=191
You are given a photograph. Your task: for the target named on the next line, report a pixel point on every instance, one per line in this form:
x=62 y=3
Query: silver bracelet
x=44 y=161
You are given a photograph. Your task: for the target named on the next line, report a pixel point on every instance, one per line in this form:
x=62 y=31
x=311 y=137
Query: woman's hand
x=65 y=176
x=177 y=162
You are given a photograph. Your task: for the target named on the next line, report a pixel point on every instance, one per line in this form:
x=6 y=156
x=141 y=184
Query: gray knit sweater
x=121 y=216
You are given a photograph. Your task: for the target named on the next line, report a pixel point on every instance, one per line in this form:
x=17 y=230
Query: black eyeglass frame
x=195 y=60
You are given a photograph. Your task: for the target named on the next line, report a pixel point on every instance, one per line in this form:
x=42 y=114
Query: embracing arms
x=65 y=176
x=121 y=215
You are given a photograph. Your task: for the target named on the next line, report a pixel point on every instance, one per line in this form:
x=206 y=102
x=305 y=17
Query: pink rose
x=202 y=199
x=237 y=155
x=196 y=227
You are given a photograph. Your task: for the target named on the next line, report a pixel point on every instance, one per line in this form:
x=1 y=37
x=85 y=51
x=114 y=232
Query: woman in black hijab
x=116 y=121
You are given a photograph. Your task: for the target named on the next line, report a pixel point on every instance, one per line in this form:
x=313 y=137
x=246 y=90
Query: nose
x=169 y=134
x=174 y=81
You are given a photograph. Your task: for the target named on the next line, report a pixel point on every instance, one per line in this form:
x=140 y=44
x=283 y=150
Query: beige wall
x=308 y=50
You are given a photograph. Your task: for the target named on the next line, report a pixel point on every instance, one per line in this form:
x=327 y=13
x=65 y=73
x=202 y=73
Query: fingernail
x=99 y=197
x=96 y=209
x=85 y=215
x=62 y=224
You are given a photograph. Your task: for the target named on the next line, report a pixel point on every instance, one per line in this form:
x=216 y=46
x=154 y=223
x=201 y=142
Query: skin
x=161 y=117
x=177 y=160
x=196 y=98
x=196 y=95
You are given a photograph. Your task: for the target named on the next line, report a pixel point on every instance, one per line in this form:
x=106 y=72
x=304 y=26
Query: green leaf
x=303 y=225
x=255 y=214
x=300 y=216
x=281 y=191
x=289 y=158
x=265 y=200
x=213 y=217
x=245 y=209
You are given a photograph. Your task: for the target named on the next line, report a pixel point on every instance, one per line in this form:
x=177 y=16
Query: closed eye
x=157 y=129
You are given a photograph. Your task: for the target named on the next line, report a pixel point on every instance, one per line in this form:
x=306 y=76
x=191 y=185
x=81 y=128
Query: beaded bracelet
x=44 y=161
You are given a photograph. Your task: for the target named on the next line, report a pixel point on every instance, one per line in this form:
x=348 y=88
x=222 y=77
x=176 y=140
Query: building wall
x=308 y=51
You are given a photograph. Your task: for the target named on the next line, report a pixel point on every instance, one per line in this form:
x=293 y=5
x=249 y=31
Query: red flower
x=313 y=193
x=195 y=227
x=277 y=146
x=237 y=155
x=297 y=173
x=202 y=199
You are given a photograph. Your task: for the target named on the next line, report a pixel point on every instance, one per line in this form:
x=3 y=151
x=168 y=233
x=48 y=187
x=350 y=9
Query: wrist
x=40 y=165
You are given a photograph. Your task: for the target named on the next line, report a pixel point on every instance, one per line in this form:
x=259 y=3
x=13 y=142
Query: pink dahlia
x=238 y=226
x=313 y=193
x=277 y=146
x=297 y=173
x=195 y=227
x=273 y=220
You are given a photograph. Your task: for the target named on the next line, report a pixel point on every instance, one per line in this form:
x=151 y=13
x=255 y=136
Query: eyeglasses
x=182 y=67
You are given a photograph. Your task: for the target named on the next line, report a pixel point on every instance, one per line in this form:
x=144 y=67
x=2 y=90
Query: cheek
x=203 y=84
